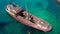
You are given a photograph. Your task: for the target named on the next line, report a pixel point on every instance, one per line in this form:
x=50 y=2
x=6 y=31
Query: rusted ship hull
x=38 y=22
x=58 y=1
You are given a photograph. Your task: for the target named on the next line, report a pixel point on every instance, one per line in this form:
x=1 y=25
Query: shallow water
x=48 y=10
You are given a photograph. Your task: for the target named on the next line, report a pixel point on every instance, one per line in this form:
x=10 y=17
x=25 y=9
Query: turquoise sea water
x=48 y=10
